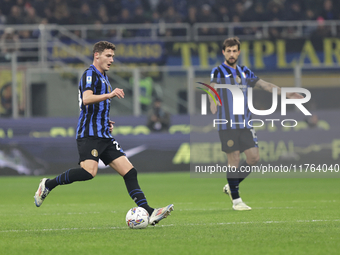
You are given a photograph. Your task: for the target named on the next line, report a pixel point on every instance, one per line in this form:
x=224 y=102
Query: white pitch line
x=186 y=209
x=191 y=203
x=252 y=222
x=300 y=201
x=256 y=208
x=51 y=214
x=171 y=225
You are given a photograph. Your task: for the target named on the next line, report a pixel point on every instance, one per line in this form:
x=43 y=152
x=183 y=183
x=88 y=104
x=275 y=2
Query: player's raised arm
x=117 y=92
x=90 y=98
x=267 y=86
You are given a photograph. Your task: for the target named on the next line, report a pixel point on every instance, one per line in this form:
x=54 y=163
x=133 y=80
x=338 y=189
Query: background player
x=94 y=137
x=239 y=137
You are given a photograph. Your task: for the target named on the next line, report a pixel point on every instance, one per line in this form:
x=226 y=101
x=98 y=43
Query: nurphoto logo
x=238 y=103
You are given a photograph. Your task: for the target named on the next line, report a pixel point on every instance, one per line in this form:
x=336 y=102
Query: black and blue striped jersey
x=94 y=118
x=241 y=77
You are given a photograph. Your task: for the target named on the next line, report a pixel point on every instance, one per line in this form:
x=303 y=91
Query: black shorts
x=237 y=139
x=95 y=148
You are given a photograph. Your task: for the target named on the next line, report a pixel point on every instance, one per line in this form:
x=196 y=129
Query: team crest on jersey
x=230 y=143
x=88 y=79
x=94 y=153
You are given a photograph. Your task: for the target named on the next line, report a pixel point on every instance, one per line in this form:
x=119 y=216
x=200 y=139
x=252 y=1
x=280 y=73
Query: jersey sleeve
x=250 y=76
x=214 y=76
x=88 y=81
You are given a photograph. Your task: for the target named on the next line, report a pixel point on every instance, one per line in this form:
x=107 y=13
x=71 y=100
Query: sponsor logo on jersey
x=88 y=79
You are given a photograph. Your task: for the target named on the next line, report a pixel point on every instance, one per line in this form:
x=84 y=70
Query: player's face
x=231 y=55
x=104 y=60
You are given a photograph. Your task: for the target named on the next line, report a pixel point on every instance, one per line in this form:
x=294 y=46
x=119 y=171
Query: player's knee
x=92 y=171
x=236 y=157
x=253 y=159
x=90 y=166
x=132 y=174
x=233 y=158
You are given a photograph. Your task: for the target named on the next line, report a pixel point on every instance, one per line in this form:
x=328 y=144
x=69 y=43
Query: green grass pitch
x=289 y=216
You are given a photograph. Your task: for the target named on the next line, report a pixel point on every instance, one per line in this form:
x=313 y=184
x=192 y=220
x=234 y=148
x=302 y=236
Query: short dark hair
x=103 y=45
x=230 y=42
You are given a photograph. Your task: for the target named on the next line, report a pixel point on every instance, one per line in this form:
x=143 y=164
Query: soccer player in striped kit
x=237 y=135
x=94 y=137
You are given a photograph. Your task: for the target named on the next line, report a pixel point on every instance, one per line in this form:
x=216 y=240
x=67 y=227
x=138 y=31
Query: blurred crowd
x=64 y=12
x=98 y=12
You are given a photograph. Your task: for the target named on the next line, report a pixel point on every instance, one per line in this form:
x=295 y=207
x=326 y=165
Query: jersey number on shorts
x=117 y=145
x=254 y=135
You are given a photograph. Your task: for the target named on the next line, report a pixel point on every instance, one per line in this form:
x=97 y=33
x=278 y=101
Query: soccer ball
x=137 y=217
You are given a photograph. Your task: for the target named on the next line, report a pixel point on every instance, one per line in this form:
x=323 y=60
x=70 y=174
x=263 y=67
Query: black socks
x=80 y=174
x=234 y=179
x=71 y=175
x=243 y=175
x=134 y=190
x=233 y=185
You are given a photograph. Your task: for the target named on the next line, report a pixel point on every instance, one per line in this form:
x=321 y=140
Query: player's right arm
x=213 y=106
x=213 y=81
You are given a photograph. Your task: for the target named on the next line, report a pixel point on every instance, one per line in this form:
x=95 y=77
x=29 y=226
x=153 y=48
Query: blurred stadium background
x=163 y=49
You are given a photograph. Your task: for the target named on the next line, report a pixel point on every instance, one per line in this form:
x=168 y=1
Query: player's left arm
x=90 y=98
x=267 y=86
x=111 y=124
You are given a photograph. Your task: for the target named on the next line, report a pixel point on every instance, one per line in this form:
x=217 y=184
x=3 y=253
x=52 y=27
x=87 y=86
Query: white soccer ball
x=137 y=217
